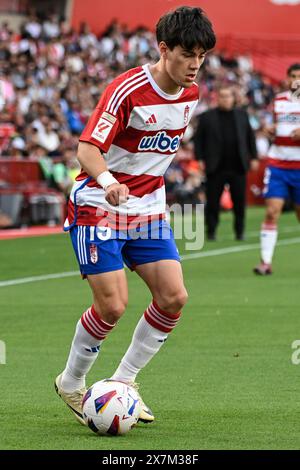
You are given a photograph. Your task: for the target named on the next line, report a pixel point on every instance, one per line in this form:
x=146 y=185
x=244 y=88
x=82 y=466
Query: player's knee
x=112 y=311
x=182 y=299
x=272 y=215
x=116 y=311
x=174 y=302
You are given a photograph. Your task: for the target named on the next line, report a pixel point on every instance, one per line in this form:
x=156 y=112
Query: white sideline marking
x=255 y=234
x=236 y=249
x=43 y=277
x=204 y=254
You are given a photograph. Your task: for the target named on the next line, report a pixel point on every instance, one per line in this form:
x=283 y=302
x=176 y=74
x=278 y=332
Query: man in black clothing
x=225 y=142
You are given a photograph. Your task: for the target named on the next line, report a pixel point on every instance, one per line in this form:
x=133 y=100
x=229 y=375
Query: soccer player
x=282 y=175
x=126 y=147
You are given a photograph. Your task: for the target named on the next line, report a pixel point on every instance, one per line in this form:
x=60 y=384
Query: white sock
x=84 y=351
x=146 y=342
x=268 y=239
x=89 y=335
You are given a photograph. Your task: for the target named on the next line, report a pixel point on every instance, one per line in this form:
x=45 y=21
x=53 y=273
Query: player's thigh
x=276 y=188
x=165 y=281
x=274 y=208
x=110 y=293
x=99 y=254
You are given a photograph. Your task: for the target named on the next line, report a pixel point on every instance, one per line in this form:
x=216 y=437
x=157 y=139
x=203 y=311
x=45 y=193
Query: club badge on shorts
x=93 y=253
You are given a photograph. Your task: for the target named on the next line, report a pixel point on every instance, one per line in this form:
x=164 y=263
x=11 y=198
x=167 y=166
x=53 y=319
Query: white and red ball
x=111 y=407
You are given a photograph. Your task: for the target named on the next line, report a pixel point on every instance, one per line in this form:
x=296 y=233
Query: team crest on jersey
x=93 y=253
x=186 y=114
x=103 y=127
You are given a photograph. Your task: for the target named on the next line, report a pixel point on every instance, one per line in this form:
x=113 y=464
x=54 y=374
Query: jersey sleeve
x=105 y=123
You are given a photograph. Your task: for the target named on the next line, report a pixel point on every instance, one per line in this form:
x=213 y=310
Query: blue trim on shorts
x=282 y=183
x=99 y=249
x=85 y=182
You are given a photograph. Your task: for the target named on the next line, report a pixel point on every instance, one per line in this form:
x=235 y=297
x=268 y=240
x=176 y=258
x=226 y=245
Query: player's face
x=294 y=80
x=183 y=65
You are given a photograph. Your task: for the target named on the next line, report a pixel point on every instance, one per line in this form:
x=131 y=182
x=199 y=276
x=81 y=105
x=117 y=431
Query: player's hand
x=295 y=135
x=254 y=165
x=270 y=131
x=202 y=167
x=117 y=194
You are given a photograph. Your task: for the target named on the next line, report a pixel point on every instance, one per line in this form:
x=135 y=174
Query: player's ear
x=163 y=49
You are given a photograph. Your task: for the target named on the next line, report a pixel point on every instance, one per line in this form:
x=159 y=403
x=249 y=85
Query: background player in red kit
x=126 y=147
x=282 y=175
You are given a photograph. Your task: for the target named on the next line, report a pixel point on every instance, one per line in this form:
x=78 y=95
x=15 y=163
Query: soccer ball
x=111 y=407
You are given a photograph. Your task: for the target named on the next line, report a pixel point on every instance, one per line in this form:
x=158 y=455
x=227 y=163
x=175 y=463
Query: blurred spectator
x=33 y=27
x=51 y=28
x=46 y=164
x=190 y=188
x=7 y=91
x=65 y=172
x=48 y=137
x=74 y=117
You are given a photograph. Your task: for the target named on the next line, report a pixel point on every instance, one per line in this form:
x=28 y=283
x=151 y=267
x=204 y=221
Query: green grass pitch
x=224 y=379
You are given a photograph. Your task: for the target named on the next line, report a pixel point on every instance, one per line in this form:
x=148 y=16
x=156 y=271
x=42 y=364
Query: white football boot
x=146 y=415
x=72 y=400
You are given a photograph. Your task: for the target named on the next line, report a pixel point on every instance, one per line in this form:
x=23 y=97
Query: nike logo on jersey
x=161 y=142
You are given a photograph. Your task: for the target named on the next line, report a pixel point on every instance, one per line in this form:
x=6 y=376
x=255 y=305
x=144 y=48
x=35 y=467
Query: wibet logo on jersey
x=161 y=142
x=103 y=127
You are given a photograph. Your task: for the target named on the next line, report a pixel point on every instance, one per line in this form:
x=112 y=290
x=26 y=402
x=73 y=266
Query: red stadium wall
x=262 y=17
x=267 y=29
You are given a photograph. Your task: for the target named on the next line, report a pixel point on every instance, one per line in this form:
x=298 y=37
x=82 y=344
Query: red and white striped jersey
x=138 y=128
x=285 y=152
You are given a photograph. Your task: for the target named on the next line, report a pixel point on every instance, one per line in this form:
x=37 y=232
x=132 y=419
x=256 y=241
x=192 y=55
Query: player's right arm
x=93 y=163
x=270 y=131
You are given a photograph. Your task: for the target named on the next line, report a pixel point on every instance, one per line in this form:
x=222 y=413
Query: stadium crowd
x=52 y=76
